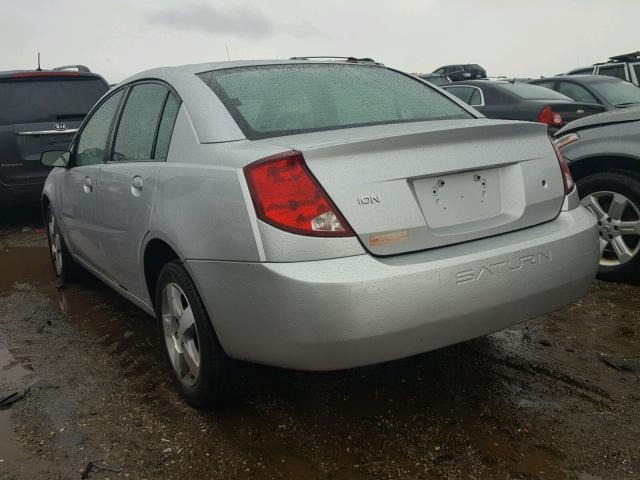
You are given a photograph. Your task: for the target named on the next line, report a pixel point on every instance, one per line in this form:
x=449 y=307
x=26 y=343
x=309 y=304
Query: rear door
x=80 y=180
x=41 y=111
x=127 y=182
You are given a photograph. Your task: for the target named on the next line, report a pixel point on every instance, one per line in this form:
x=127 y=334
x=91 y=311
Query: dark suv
x=469 y=71
x=39 y=110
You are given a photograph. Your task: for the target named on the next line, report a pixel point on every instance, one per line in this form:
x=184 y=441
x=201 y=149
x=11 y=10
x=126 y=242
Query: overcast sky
x=118 y=38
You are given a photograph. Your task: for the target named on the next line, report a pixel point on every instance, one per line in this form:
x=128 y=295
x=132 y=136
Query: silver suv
x=625 y=67
x=313 y=215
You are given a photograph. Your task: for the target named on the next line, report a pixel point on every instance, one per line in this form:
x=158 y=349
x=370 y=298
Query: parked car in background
x=603 y=152
x=39 y=110
x=435 y=78
x=625 y=67
x=460 y=72
x=282 y=212
x=521 y=101
x=610 y=92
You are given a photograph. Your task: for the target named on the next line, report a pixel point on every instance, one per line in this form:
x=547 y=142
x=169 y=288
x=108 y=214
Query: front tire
x=614 y=198
x=201 y=370
x=64 y=266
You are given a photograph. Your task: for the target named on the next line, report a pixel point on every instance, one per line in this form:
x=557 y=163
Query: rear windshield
x=619 y=93
x=533 y=92
x=275 y=100
x=48 y=100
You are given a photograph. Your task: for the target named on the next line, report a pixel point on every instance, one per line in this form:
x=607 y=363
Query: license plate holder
x=459 y=198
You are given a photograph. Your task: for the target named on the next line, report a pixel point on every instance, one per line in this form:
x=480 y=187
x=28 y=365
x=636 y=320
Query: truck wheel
x=614 y=198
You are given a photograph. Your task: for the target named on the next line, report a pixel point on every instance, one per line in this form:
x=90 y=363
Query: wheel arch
x=44 y=203
x=156 y=253
x=604 y=163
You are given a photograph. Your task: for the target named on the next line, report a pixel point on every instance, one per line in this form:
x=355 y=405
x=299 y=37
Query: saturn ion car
x=313 y=215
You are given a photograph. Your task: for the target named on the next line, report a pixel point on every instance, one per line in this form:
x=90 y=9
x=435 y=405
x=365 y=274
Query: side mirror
x=55 y=158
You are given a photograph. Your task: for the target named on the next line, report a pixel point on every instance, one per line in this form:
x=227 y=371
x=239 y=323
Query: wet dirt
x=556 y=397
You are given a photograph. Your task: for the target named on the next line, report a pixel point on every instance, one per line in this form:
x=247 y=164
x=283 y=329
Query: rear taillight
x=287 y=195
x=551 y=118
x=567 y=178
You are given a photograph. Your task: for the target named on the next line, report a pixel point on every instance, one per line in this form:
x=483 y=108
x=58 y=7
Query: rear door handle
x=136 y=185
x=87 y=186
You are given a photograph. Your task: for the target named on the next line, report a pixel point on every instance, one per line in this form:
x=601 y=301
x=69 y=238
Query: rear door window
x=273 y=100
x=48 y=99
x=618 y=71
x=136 y=132
x=576 y=92
x=548 y=84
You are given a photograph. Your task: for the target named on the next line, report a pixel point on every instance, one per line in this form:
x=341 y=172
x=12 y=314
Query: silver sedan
x=314 y=215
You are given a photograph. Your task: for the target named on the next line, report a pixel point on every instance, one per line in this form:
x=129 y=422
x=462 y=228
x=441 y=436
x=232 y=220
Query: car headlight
x=565 y=140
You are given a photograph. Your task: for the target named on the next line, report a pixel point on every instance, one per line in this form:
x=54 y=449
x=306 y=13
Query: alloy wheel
x=180 y=334
x=55 y=244
x=618 y=226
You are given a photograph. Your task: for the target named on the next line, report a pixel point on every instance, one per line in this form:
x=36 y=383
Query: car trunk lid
x=410 y=187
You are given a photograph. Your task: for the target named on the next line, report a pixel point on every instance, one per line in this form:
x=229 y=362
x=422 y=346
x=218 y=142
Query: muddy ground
x=556 y=397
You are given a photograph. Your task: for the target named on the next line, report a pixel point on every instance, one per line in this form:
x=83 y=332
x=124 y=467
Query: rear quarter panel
x=200 y=207
x=612 y=140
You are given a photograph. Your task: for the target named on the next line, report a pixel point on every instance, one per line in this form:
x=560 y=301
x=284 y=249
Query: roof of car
x=196 y=68
x=580 y=78
x=203 y=104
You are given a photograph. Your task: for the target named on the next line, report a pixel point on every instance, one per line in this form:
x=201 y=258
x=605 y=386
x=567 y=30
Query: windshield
x=617 y=93
x=48 y=100
x=275 y=100
x=534 y=92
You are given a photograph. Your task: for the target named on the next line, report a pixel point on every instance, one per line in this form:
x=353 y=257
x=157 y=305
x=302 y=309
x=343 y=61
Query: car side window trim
x=482 y=102
x=112 y=140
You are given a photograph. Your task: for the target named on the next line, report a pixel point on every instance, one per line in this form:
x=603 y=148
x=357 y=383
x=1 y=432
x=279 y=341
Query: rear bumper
x=20 y=195
x=353 y=311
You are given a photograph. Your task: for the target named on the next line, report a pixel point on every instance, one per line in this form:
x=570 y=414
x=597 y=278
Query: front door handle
x=136 y=186
x=87 y=185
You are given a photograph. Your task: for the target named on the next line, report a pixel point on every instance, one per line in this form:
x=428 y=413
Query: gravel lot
x=555 y=397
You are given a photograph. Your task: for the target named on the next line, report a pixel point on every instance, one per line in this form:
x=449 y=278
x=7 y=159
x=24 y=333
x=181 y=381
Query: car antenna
x=226 y=47
x=38 y=69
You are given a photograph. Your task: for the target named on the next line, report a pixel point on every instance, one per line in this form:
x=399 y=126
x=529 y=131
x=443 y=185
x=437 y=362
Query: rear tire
x=614 y=198
x=200 y=368
x=64 y=266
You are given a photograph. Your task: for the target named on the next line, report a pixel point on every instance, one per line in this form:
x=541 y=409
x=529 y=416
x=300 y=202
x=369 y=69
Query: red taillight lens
x=286 y=195
x=551 y=118
x=569 y=183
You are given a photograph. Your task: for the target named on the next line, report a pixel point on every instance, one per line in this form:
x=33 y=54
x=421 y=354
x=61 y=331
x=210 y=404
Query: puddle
x=124 y=329
x=24 y=264
x=13 y=376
